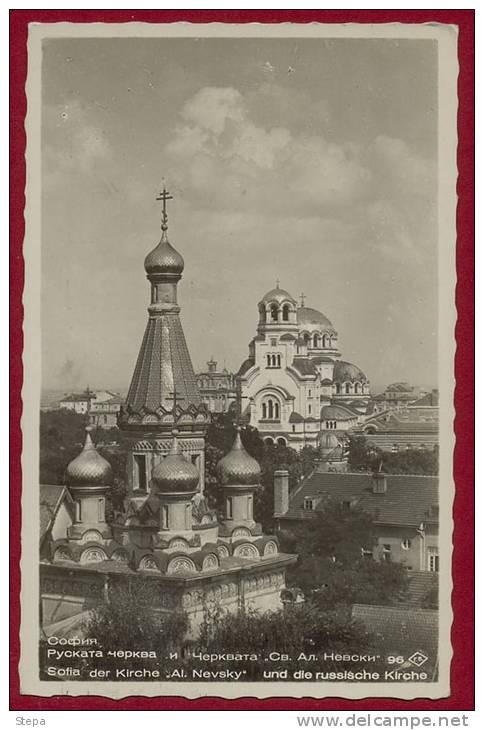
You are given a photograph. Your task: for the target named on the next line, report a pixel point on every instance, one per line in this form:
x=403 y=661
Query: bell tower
x=163 y=394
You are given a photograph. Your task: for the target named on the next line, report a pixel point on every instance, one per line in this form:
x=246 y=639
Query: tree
x=365 y=456
x=129 y=617
x=331 y=566
x=62 y=435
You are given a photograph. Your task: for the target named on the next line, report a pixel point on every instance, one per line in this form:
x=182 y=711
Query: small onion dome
x=164 y=259
x=329 y=441
x=89 y=468
x=277 y=295
x=308 y=318
x=346 y=371
x=237 y=467
x=175 y=473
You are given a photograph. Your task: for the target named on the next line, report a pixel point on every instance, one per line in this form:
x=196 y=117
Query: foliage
x=331 y=568
x=62 y=434
x=219 y=440
x=431 y=598
x=128 y=618
x=364 y=456
x=298 y=628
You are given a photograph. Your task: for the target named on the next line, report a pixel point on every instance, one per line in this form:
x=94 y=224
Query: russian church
x=294 y=387
x=167 y=533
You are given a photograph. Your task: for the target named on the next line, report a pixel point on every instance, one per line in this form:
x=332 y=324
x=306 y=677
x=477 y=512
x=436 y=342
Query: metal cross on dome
x=175 y=398
x=164 y=196
x=303 y=299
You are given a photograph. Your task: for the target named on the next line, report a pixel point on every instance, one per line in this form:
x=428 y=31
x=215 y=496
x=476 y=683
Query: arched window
x=264 y=410
x=357 y=388
x=347 y=388
x=274 y=312
x=285 y=313
x=316 y=340
x=271 y=409
x=338 y=388
x=278 y=361
x=276 y=409
x=307 y=338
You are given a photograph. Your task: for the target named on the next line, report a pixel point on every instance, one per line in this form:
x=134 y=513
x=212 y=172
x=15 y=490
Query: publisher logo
x=418 y=658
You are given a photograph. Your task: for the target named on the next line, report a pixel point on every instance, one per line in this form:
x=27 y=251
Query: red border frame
x=462 y=668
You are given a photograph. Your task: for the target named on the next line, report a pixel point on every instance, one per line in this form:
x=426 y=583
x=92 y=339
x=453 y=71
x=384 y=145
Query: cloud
x=230 y=160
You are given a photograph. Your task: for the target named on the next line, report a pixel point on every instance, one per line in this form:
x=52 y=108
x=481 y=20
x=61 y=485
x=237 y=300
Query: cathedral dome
x=89 y=468
x=164 y=259
x=277 y=295
x=308 y=318
x=175 y=473
x=347 y=372
x=237 y=467
x=329 y=441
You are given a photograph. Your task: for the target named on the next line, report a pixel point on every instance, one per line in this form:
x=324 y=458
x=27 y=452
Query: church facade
x=167 y=533
x=294 y=387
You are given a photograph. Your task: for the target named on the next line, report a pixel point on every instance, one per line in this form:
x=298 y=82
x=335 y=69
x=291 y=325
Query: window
x=273 y=361
x=250 y=507
x=309 y=503
x=140 y=472
x=338 y=388
x=274 y=312
x=270 y=410
x=229 y=508
x=347 y=388
x=387 y=553
x=433 y=560
x=164 y=517
x=406 y=544
x=285 y=313
x=78 y=511
x=100 y=509
x=309 y=393
x=346 y=505
x=273 y=342
x=309 y=410
x=316 y=341
x=293 y=428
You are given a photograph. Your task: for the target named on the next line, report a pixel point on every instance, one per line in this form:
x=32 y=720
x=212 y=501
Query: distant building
x=404 y=509
x=217 y=388
x=415 y=426
x=294 y=386
x=102 y=406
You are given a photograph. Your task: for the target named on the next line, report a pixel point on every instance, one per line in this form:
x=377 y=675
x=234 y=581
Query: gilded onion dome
x=175 y=473
x=164 y=259
x=237 y=467
x=89 y=468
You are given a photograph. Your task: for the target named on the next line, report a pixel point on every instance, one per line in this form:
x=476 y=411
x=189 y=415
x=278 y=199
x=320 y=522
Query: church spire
x=164 y=196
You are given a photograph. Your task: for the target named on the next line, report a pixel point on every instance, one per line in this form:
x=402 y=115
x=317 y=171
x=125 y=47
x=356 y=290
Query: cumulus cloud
x=229 y=158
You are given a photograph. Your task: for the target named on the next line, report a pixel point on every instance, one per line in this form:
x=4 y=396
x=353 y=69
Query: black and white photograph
x=238 y=395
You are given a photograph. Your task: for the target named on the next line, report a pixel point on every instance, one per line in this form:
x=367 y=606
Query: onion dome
x=277 y=295
x=329 y=441
x=164 y=259
x=237 y=467
x=347 y=372
x=308 y=318
x=175 y=473
x=89 y=468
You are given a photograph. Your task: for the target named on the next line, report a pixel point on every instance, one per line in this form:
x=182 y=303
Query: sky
x=308 y=161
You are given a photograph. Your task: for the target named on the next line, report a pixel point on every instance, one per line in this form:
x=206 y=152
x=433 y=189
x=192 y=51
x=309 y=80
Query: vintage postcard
x=239 y=360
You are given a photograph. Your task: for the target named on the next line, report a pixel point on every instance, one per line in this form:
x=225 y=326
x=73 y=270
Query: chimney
x=281 y=492
x=379 y=482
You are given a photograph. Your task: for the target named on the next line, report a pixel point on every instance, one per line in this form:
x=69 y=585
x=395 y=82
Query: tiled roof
x=339 y=413
x=51 y=496
x=431 y=399
x=295 y=417
x=402 y=631
x=304 y=366
x=420 y=583
x=163 y=365
x=407 y=501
